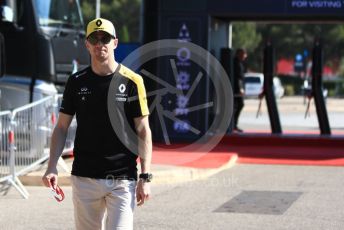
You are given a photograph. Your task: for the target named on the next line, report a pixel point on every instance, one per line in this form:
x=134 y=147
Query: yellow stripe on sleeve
x=141 y=91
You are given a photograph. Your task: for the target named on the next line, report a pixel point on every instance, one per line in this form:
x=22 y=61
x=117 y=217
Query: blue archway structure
x=164 y=19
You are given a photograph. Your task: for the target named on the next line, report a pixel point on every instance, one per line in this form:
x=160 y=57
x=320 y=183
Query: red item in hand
x=58 y=193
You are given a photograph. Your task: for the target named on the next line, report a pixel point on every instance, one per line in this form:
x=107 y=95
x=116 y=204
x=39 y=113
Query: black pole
x=268 y=70
x=317 y=89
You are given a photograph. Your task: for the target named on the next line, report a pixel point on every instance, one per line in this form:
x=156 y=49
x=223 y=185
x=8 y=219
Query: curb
x=163 y=174
x=184 y=174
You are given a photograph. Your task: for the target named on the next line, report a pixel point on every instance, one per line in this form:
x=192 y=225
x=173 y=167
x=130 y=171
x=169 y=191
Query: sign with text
x=316 y=6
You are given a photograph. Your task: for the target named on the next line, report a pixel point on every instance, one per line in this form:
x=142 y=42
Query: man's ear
x=115 y=43
x=87 y=45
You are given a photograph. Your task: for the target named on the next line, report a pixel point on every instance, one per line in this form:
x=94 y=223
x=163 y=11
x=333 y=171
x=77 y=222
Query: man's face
x=101 y=45
x=243 y=56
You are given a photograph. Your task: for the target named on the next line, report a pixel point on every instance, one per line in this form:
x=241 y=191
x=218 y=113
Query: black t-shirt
x=98 y=151
x=238 y=71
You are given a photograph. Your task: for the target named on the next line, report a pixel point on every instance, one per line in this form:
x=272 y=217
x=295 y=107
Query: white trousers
x=103 y=204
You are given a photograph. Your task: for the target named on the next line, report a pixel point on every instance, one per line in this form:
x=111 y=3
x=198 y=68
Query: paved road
x=260 y=196
x=292 y=115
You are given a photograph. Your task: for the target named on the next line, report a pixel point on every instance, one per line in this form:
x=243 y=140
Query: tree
x=124 y=14
x=245 y=36
x=290 y=39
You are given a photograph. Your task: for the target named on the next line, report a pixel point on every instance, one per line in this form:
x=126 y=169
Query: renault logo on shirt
x=121 y=96
x=122 y=88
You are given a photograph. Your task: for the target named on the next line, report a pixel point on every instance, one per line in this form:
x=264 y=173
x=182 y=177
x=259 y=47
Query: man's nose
x=99 y=41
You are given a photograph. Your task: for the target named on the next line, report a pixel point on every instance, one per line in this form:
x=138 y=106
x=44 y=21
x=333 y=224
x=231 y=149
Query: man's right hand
x=50 y=178
x=242 y=92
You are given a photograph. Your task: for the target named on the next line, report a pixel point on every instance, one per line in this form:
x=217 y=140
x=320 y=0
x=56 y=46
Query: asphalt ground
x=249 y=197
x=244 y=197
x=294 y=197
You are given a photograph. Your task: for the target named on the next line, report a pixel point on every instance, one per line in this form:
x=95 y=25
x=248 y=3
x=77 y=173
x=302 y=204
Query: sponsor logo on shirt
x=121 y=95
x=122 y=88
x=84 y=91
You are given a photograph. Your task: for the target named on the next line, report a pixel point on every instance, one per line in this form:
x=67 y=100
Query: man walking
x=104 y=173
x=238 y=71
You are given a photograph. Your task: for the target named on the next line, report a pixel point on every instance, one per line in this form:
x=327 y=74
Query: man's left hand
x=142 y=192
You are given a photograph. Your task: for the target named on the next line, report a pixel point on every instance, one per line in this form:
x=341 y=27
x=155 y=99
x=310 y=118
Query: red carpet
x=295 y=132
x=287 y=149
x=259 y=148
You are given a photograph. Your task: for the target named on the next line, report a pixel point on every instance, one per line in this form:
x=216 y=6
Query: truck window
x=58 y=13
x=20 y=13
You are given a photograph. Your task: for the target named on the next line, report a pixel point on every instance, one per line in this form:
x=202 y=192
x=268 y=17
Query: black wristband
x=146 y=177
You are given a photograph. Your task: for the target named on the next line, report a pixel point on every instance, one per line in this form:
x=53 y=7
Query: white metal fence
x=4 y=145
x=25 y=139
